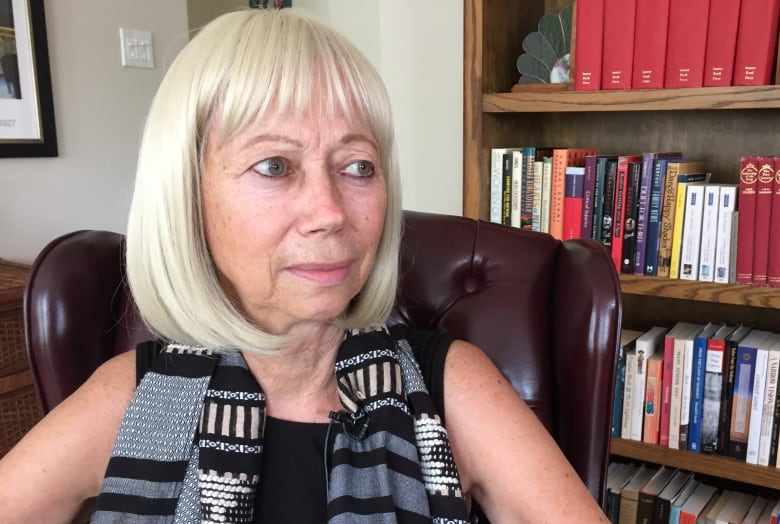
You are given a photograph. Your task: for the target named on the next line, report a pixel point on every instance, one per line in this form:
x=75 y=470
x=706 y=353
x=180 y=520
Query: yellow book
x=676 y=172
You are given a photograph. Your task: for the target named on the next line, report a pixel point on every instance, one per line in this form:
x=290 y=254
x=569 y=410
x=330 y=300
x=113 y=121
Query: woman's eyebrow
x=358 y=137
x=273 y=138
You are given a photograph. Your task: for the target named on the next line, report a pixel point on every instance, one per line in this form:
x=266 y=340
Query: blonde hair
x=242 y=65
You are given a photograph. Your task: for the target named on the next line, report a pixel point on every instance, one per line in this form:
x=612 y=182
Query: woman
x=262 y=249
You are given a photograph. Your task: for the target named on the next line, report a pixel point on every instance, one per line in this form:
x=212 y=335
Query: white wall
x=100 y=106
x=418 y=49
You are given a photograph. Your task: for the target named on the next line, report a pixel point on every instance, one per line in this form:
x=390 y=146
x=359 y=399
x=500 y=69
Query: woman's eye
x=271 y=167
x=361 y=168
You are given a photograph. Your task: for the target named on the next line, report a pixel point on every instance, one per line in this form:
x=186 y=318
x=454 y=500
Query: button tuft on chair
x=471 y=284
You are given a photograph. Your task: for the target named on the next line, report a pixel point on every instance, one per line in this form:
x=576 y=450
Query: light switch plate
x=137 y=49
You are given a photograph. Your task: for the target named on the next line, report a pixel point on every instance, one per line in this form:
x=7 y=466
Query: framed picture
x=265 y=4
x=26 y=108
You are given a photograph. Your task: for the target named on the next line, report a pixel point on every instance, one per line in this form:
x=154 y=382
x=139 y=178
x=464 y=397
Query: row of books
x=647 y=494
x=702 y=388
x=650 y=44
x=657 y=213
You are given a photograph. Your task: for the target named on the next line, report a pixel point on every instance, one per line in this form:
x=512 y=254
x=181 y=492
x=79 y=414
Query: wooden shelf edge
x=713 y=465
x=758 y=97
x=734 y=294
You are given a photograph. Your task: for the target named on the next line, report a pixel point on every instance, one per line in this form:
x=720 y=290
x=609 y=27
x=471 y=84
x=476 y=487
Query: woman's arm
x=61 y=462
x=507 y=459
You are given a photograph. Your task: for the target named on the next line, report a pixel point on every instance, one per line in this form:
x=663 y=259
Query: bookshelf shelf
x=703 y=98
x=714 y=465
x=733 y=294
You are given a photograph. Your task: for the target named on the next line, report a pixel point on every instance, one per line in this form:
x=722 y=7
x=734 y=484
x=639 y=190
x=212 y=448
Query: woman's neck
x=299 y=383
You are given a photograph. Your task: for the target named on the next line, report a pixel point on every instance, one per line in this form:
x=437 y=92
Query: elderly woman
x=262 y=249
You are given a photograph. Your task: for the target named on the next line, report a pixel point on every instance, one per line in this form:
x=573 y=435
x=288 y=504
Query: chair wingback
x=546 y=312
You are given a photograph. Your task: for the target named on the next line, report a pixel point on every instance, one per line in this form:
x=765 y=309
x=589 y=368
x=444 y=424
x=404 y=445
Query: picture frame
x=27 y=127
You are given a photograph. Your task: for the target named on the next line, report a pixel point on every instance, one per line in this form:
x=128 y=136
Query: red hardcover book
x=561 y=159
x=764 y=187
x=748 y=180
x=589 y=31
x=773 y=265
x=618 y=51
x=652 y=19
x=619 y=213
x=721 y=42
x=686 y=42
x=756 y=42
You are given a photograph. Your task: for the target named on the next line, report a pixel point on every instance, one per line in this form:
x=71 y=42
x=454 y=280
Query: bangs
x=289 y=67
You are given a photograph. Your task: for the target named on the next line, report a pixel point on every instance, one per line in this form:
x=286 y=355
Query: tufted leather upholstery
x=547 y=313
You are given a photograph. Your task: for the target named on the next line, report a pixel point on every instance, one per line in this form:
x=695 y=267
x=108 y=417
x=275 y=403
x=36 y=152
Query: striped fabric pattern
x=398 y=469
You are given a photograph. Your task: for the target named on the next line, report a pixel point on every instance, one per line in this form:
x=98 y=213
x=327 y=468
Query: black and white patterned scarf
x=190 y=445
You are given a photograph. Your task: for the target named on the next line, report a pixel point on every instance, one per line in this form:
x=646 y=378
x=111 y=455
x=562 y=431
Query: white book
x=628 y=394
x=496 y=181
x=544 y=212
x=647 y=345
x=770 y=395
x=709 y=232
x=685 y=394
x=678 y=364
x=517 y=188
x=757 y=404
x=726 y=237
x=691 y=233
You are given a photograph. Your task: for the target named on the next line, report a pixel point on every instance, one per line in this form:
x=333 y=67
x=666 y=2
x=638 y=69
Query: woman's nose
x=322 y=203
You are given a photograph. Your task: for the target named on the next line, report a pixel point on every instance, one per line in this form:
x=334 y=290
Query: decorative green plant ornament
x=547 y=57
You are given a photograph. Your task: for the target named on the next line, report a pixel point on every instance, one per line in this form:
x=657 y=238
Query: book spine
x=654 y=217
x=573 y=202
x=742 y=396
x=496 y=183
x=764 y=186
x=692 y=232
x=527 y=190
x=686 y=42
x=628 y=395
x=643 y=212
x=756 y=42
x=546 y=194
x=589 y=27
x=748 y=181
x=652 y=19
x=517 y=185
x=666 y=390
x=607 y=208
x=685 y=395
x=506 y=189
x=675 y=407
x=560 y=161
x=630 y=219
x=756 y=405
x=721 y=42
x=619 y=212
x=536 y=210
x=725 y=247
x=677 y=228
x=726 y=398
x=652 y=412
x=598 y=198
x=617 y=404
x=588 y=189
x=697 y=394
x=669 y=215
x=773 y=263
x=618 y=46
x=713 y=390
x=768 y=410
x=709 y=232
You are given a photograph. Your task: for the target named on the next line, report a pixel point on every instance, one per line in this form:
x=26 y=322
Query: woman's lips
x=324 y=274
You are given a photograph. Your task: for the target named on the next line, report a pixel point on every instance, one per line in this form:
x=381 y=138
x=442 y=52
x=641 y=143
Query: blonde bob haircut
x=243 y=66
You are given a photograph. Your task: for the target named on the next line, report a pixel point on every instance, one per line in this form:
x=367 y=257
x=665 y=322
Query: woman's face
x=293 y=211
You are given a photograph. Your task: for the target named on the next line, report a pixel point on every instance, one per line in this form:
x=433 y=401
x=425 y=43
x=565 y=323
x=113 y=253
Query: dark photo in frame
x=26 y=108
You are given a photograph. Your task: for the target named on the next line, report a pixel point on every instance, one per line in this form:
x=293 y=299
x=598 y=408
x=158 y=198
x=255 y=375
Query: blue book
x=654 y=216
x=643 y=212
x=598 y=196
x=742 y=395
x=697 y=385
x=681 y=498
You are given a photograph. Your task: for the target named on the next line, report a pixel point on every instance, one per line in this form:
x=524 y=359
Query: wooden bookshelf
x=716 y=125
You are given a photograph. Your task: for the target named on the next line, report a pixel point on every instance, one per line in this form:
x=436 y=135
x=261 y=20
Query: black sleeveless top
x=294 y=467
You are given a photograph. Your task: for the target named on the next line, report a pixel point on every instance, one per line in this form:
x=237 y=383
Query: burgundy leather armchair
x=547 y=312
